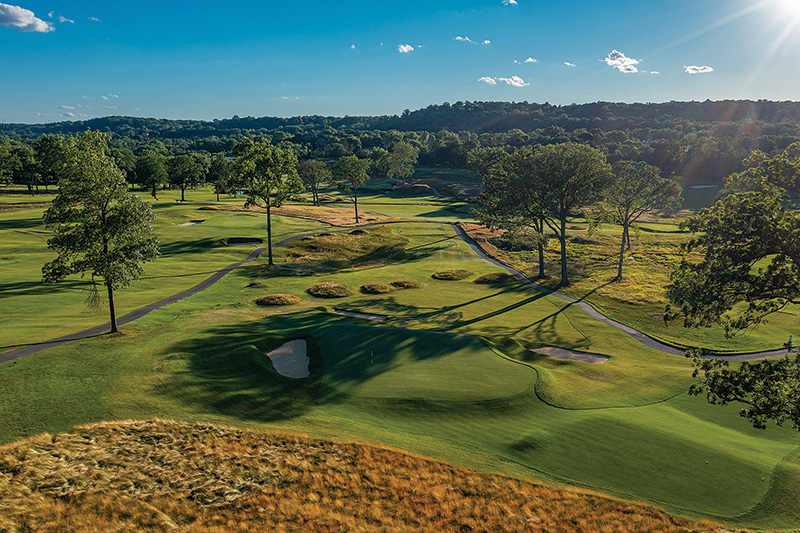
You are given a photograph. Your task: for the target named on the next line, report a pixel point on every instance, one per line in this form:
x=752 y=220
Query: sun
x=790 y=7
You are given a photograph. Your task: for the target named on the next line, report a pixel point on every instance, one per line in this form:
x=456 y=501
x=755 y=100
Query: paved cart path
x=586 y=307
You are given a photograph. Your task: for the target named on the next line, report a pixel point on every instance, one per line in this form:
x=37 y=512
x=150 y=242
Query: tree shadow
x=21 y=223
x=188 y=247
x=29 y=288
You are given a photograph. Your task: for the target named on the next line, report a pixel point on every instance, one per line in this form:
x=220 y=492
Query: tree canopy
x=349 y=174
x=99 y=227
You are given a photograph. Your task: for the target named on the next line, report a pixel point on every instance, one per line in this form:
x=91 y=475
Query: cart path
x=585 y=307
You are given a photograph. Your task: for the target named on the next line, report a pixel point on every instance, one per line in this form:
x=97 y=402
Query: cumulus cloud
x=463 y=39
x=352 y=47
x=84 y=97
x=405 y=48
x=692 y=69
x=654 y=72
x=529 y=60
x=22 y=20
x=621 y=62
x=65 y=106
x=509 y=2
x=567 y=63
x=514 y=81
x=95 y=19
x=487 y=79
x=104 y=97
x=487 y=41
x=62 y=19
x=113 y=95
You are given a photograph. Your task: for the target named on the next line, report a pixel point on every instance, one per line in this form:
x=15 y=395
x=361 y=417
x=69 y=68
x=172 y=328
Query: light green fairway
x=388 y=363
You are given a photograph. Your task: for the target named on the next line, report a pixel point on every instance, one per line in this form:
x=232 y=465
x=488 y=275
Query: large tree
x=401 y=160
x=349 y=174
x=313 y=173
x=636 y=189
x=268 y=175
x=49 y=153
x=99 y=227
x=185 y=170
x=151 y=172
x=219 y=173
x=749 y=241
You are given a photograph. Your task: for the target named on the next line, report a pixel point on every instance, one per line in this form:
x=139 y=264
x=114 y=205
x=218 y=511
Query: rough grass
x=376 y=288
x=330 y=289
x=278 y=299
x=452 y=275
x=495 y=278
x=159 y=475
x=404 y=284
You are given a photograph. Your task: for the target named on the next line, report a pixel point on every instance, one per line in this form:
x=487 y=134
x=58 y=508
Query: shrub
x=452 y=275
x=330 y=289
x=278 y=299
x=495 y=278
x=404 y=284
x=376 y=288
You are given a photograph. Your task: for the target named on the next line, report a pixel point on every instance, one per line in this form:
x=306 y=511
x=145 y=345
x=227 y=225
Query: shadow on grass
x=21 y=223
x=189 y=247
x=29 y=288
x=221 y=374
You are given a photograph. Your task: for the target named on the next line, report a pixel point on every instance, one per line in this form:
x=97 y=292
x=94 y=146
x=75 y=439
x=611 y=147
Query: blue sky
x=201 y=60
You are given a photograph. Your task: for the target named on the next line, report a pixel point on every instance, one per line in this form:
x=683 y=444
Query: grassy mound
x=495 y=278
x=404 y=284
x=376 y=288
x=330 y=289
x=452 y=275
x=278 y=299
x=159 y=476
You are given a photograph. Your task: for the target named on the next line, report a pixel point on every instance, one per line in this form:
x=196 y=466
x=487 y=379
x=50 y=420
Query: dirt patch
x=335 y=216
x=291 y=359
x=571 y=355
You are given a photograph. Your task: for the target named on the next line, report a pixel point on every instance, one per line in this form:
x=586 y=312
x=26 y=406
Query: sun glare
x=790 y=7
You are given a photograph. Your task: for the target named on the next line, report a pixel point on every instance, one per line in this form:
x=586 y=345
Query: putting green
x=390 y=363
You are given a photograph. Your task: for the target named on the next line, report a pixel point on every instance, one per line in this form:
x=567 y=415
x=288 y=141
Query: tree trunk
x=562 y=237
x=216 y=190
x=540 y=247
x=112 y=309
x=355 y=201
x=155 y=194
x=183 y=189
x=625 y=239
x=269 y=235
x=628 y=238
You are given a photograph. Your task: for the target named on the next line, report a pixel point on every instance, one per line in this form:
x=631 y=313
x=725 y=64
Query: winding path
x=586 y=307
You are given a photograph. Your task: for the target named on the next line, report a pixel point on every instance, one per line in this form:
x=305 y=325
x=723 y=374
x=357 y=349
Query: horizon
x=83 y=60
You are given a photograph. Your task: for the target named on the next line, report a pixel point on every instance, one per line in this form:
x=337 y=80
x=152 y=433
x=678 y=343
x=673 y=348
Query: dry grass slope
x=166 y=476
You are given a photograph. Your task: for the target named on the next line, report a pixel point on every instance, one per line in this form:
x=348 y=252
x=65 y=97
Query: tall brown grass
x=167 y=476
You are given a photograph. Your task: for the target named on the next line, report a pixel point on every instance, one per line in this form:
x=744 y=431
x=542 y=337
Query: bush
x=278 y=299
x=404 y=284
x=495 y=278
x=376 y=288
x=452 y=275
x=330 y=289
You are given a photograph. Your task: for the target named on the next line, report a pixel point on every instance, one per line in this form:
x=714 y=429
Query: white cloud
x=529 y=60
x=405 y=48
x=62 y=19
x=65 y=106
x=104 y=97
x=110 y=106
x=84 y=97
x=514 y=81
x=352 y=47
x=567 y=63
x=509 y=2
x=698 y=70
x=22 y=20
x=621 y=62
x=654 y=72
x=487 y=41
x=68 y=114
x=95 y=19
x=463 y=39
x=487 y=79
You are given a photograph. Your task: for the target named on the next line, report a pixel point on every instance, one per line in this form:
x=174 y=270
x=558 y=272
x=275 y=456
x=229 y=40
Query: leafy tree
x=636 y=189
x=750 y=247
x=313 y=173
x=349 y=174
x=99 y=227
x=151 y=171
x=219 y=172
x=49 y=154
x=401 y=160
x=125 y=160
x=268 y=174
x=185 y=170
x=9 y=164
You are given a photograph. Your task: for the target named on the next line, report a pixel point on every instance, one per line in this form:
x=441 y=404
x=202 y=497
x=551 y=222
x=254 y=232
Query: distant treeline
x=701 y=142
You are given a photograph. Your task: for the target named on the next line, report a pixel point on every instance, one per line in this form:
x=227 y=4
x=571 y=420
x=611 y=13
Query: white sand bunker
x=571 y=355
x=377 y=318
x=291 y=359
x=192 y=223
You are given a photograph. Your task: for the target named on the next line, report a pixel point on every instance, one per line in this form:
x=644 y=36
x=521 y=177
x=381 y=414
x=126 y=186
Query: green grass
x=452 y=377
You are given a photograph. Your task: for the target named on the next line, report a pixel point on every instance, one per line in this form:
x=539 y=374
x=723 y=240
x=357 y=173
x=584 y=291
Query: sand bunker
x=376 y=318
x=291 y=359
x=192 y=223
x=571 y=355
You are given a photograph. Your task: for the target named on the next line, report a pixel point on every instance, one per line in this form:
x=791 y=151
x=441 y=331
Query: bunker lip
x=355 y=314
x=243 y=241
x=291 y=359
x=570 y=355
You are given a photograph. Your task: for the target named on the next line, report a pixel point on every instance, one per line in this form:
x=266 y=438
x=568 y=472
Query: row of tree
x=539 y=188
